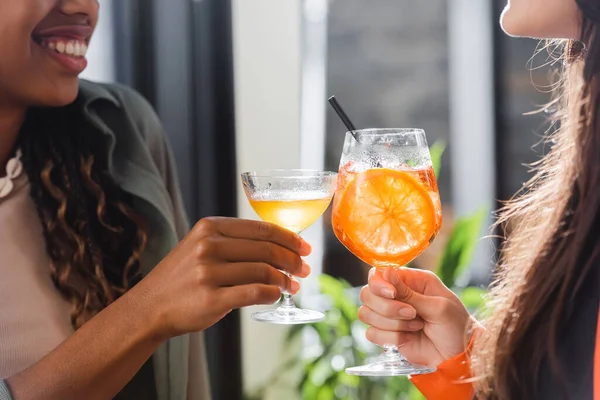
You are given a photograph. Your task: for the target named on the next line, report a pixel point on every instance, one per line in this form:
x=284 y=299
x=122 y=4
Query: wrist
x=147 y=315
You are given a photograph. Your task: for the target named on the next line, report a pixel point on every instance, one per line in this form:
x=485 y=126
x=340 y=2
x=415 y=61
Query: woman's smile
x=66 y=45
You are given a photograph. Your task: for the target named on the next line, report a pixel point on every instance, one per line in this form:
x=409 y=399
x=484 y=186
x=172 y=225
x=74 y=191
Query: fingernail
x=294 y=286
x=305 y=271
x=407 y=313
x=416 y=325
x=388 y=293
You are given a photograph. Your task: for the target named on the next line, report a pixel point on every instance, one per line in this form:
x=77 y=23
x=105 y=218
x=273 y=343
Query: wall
x=268 y=80
x=388 y=65
x=101 y=54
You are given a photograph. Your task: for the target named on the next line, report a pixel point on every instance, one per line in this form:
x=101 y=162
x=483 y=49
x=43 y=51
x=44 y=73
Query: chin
x=59 y=96
x=516 y=24
x=540 y=24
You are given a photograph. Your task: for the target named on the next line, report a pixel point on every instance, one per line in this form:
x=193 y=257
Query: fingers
x=383 y=338
x=253 y=230
x=421 y=281
x=381 y=286
x=244 y=250
x=247 y=295
x=370 y=317
x=251 y=273
x=385 y=307
x=409 y=345
x=409 y=286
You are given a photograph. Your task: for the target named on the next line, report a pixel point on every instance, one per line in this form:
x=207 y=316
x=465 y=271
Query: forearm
x=97 y=361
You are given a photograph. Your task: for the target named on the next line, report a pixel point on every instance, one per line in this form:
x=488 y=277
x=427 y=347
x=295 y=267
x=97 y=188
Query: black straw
x=343 y=116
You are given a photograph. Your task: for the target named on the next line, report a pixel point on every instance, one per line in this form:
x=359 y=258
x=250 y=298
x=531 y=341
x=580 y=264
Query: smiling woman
x=103 y=286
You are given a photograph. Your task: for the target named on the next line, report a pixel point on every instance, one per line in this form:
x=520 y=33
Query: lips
x=81 y=32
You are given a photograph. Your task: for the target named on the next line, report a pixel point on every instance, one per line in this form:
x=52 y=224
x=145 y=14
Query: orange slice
x=387 y=217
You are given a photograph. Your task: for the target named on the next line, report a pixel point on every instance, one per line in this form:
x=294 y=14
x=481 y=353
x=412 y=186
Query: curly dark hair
x=93 y=236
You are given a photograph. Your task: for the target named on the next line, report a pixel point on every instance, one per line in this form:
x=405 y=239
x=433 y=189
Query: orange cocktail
x=386 y=217
x=387 y=211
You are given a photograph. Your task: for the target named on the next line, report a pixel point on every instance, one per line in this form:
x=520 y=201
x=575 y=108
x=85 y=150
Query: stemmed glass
x=292 y=199
x=387 y=211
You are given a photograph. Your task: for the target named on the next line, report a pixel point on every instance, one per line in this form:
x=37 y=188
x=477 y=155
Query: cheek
x=16 y=25
x=544 y=19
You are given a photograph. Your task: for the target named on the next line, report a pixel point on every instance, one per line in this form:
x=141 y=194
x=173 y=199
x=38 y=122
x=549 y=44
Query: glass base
x=289 y=316
x=390 y=363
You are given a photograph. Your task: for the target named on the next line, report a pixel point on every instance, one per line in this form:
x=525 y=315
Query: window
x=388 y=65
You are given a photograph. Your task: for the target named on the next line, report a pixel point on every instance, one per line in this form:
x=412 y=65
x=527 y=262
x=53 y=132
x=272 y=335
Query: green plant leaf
x=461 y=245
x=336 y=289
x=352 y=381
x=309 y=390
x=326 y=392
x=321 y=370
x=395 y=387
x=325 y=333
x=472 y=298
x=437 y=150
x=414 y=394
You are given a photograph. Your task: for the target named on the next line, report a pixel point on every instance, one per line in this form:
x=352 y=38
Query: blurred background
x=242 y=85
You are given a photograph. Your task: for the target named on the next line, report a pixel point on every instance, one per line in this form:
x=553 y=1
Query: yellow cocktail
x=294 y=215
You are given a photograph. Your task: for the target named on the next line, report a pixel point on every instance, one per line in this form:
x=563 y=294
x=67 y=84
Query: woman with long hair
x=541 y=338
x=103 y=286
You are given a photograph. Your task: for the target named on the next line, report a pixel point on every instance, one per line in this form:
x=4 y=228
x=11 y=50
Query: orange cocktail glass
x=387 y=211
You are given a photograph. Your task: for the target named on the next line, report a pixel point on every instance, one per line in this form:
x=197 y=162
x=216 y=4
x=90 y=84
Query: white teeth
x=80 y=49
x=72 y=48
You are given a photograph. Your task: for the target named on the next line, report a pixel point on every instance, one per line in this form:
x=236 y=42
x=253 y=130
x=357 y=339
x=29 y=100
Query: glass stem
x=287 y=301
x=391 y=353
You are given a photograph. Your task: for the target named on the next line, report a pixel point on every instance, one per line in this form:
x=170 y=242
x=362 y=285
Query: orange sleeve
x=597 y=363
x=448 y=382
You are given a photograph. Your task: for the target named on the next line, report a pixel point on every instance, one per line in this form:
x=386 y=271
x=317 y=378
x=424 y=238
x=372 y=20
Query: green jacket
x=141 y=162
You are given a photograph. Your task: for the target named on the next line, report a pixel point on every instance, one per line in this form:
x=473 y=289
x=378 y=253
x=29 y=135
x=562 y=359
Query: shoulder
x=138 y=138
x=123 y=105
x=129 y=101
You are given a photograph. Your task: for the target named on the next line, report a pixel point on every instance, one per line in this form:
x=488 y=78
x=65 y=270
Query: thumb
x=410 y=288
x=428 y=307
